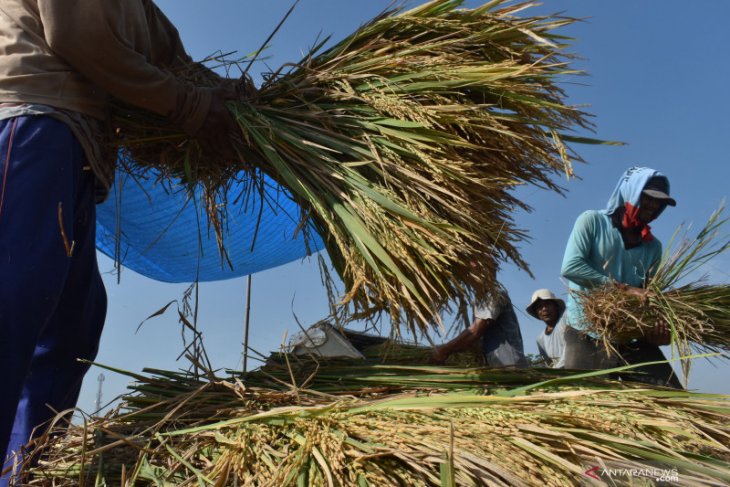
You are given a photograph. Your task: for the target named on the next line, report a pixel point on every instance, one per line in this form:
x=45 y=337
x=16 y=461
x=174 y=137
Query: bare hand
x=246 y=88
x=219 y=125
x=641 y=293
x=438 y=357
x=659 y=335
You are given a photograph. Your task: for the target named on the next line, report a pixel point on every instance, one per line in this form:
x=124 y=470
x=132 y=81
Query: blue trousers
x=52 y=298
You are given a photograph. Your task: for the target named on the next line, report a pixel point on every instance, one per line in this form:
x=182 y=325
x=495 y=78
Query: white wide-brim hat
x=544 y=295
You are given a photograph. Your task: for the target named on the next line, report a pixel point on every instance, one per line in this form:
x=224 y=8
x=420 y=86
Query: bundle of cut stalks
x=698 y=313
x=420 y=426
x=401 y=144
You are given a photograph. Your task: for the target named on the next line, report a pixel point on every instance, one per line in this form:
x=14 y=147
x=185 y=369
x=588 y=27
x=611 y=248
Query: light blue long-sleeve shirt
x=595 y=255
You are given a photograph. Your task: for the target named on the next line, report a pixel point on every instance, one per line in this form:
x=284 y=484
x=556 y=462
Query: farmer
x=495 y=328
x=550 y=309
x=616 y=245
x=60 y=63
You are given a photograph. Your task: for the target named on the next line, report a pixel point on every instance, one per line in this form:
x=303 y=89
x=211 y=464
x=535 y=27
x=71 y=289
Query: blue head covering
x=627 y=196
x=629 y=188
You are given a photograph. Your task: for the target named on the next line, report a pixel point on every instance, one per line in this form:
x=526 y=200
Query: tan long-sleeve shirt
x=73 y=55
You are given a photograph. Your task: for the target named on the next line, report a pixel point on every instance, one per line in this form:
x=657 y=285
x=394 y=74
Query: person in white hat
x=547 y=307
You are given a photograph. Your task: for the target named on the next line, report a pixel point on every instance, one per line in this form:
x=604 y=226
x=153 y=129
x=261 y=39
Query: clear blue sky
x=657 y=80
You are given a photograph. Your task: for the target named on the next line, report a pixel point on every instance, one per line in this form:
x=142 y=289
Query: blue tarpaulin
x=162 y=233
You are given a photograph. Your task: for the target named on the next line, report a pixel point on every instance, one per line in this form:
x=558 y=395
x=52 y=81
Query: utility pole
x=98 y=393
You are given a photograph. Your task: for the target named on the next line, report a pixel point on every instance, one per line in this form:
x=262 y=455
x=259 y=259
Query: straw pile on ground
x=383 y=425
x=697 y=312
x=401 y=144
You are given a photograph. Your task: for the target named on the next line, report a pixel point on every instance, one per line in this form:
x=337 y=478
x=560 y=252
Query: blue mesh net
x=164 y=234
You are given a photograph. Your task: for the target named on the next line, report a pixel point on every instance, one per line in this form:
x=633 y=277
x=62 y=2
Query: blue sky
x=657 y=80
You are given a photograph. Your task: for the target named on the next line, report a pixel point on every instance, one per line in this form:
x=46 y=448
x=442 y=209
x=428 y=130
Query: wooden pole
x=246 y=323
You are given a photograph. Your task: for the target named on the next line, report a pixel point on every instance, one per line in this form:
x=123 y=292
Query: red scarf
x=631 y=220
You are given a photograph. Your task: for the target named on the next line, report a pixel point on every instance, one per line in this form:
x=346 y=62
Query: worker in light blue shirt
x=616 y=245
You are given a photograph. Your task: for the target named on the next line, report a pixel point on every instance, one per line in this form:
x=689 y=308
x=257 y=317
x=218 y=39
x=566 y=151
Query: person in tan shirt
x=61 y=62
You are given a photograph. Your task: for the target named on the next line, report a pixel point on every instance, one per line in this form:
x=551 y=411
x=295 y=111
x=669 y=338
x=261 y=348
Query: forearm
x=578 y=271
x=462 y=342
x=577 y=266
x=466 y=338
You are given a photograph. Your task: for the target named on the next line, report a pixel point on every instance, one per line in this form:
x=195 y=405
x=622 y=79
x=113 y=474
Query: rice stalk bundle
x=396 y=376
x=697 y=312
x=264 y=436
x=407 y=354
x=401 y=144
